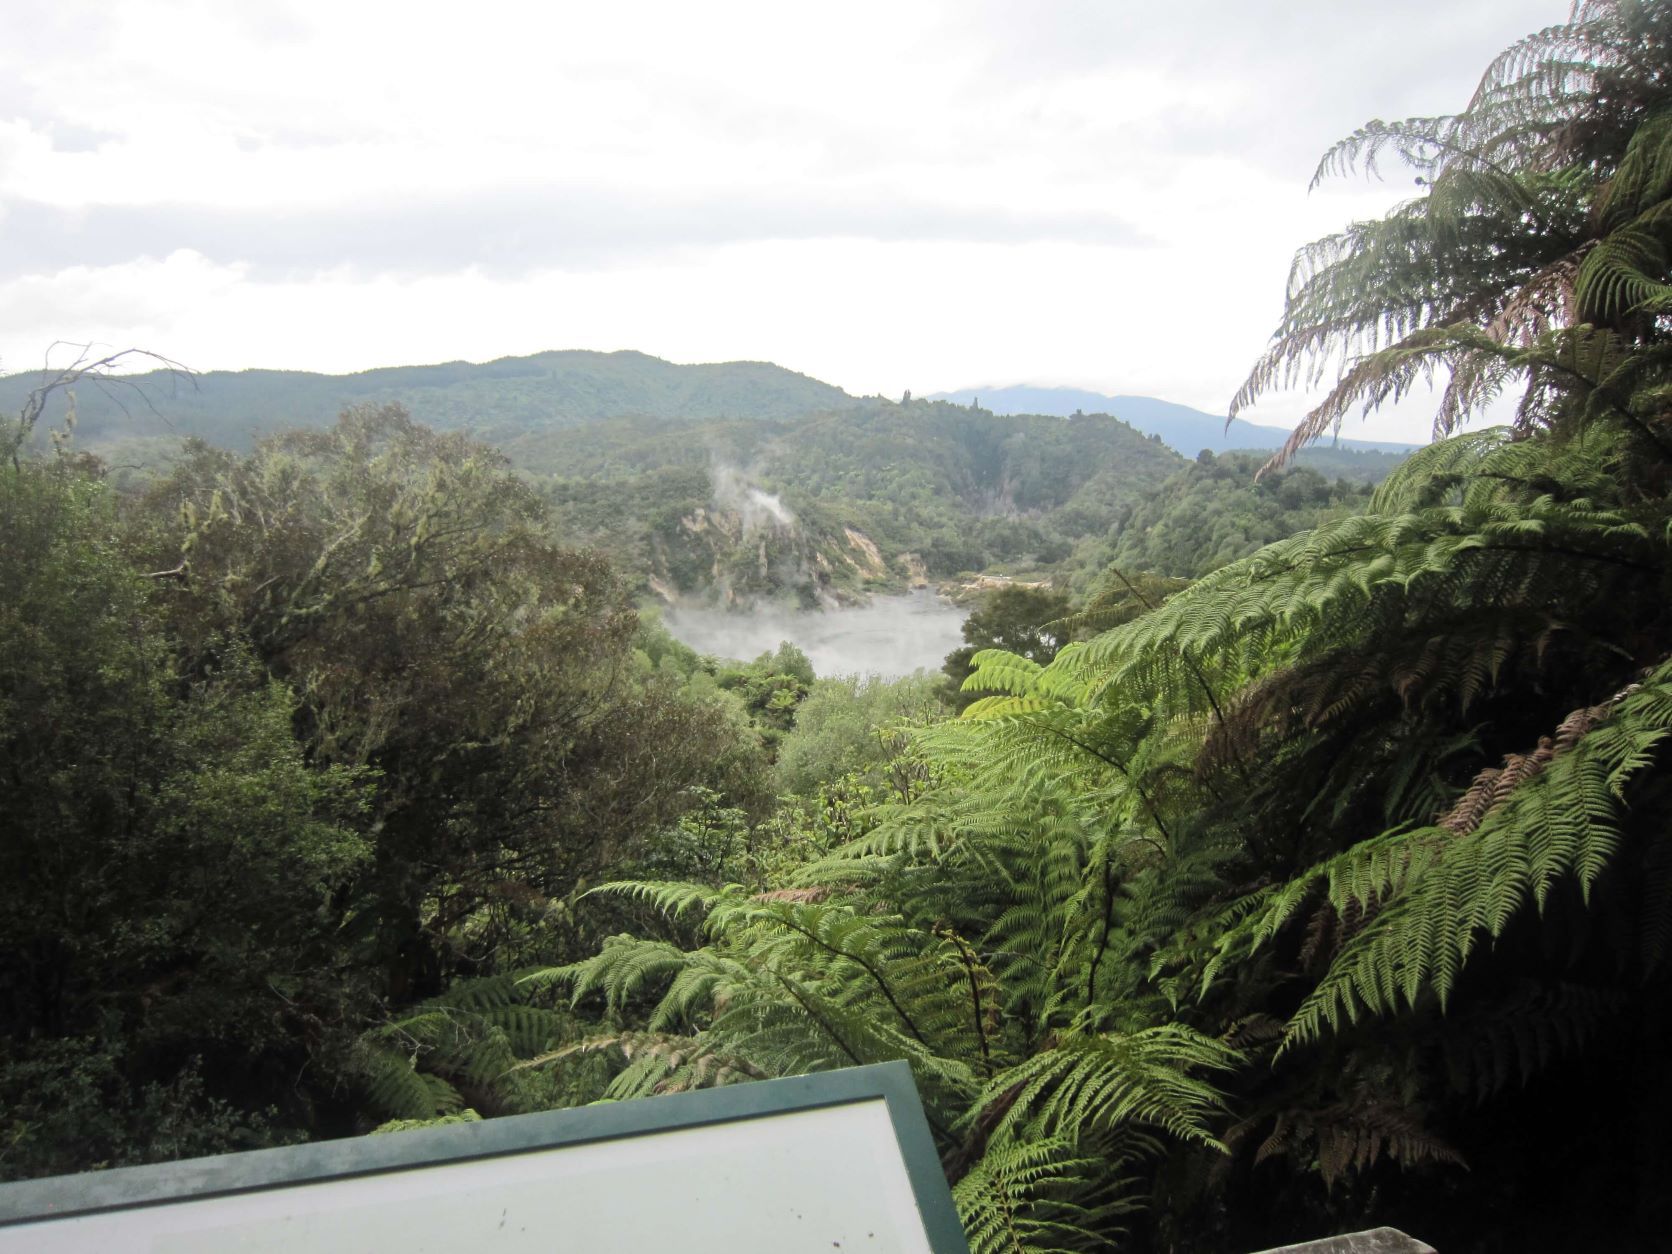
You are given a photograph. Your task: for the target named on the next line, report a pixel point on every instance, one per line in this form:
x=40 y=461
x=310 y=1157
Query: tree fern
x=1283 y=865
x=1041 y=1197
x=421 y=1064
x=1100 y=1081
x=1534 y=217
x=1434 y=894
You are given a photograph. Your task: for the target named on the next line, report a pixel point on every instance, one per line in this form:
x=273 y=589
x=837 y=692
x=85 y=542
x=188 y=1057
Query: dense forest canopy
x=657 y=464
x=877 y=496
x=1297 y=863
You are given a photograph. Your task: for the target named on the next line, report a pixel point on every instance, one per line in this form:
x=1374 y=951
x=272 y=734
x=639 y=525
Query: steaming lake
x=891 y=636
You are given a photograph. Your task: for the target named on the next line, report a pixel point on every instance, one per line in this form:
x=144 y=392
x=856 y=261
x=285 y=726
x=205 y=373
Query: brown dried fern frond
x=1494 y=785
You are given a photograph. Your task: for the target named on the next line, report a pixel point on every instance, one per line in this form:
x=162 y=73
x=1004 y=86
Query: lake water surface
x=892 y=636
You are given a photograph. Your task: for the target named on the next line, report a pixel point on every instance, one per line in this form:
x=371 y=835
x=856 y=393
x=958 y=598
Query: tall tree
x=403 y=582
x=169 y=859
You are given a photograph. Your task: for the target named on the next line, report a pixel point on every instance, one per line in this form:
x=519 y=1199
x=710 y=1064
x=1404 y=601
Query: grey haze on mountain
x=1182 y=428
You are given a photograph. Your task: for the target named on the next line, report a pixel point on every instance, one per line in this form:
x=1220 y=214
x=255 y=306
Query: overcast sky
x=923 y=194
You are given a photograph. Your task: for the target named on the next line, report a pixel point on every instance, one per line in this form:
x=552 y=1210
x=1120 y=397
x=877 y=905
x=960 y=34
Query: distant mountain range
x=742 y=480
x=517 y=397
x=1186 y=430
x=497 y=400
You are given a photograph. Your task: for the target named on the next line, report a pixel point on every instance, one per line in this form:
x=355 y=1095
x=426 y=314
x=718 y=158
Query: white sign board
x=841 y=1161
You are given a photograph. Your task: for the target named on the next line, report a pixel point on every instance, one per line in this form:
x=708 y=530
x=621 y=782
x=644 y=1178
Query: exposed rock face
x=872 y=562
x=741 y=556
x=917 y=574
x=1375 y=1241
x=987 y=583
x=970 y=591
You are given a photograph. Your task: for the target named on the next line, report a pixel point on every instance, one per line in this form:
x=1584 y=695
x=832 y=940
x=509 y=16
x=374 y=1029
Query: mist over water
x=892 y=636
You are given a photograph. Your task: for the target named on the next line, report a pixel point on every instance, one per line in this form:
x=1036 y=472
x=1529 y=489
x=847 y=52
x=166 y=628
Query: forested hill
x=1187 y=430
x=513 y=398
x=1217 y=510
x=498 y=400
x=665 y=466
x=867 y=497
x=883 y=493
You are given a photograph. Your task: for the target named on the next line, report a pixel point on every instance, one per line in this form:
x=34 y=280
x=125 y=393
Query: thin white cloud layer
x=886 y=196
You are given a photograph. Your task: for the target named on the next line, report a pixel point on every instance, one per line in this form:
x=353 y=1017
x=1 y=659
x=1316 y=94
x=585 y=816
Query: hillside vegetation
x=495 y=400
x=665 y=467
x=877 y=496
x=1259 y=891
x=1219 y=509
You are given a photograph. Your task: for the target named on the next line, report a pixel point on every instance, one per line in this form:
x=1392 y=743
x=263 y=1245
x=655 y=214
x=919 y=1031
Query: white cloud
x=143 y=303
x=925 y=195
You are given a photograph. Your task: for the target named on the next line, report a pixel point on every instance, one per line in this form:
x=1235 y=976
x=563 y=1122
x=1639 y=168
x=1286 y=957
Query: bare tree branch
x=86 y=367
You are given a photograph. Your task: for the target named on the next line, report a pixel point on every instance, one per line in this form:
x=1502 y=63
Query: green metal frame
x=59 y=1197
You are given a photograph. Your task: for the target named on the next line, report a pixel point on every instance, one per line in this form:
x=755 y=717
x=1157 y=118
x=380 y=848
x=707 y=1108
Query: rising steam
x=760 y=510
